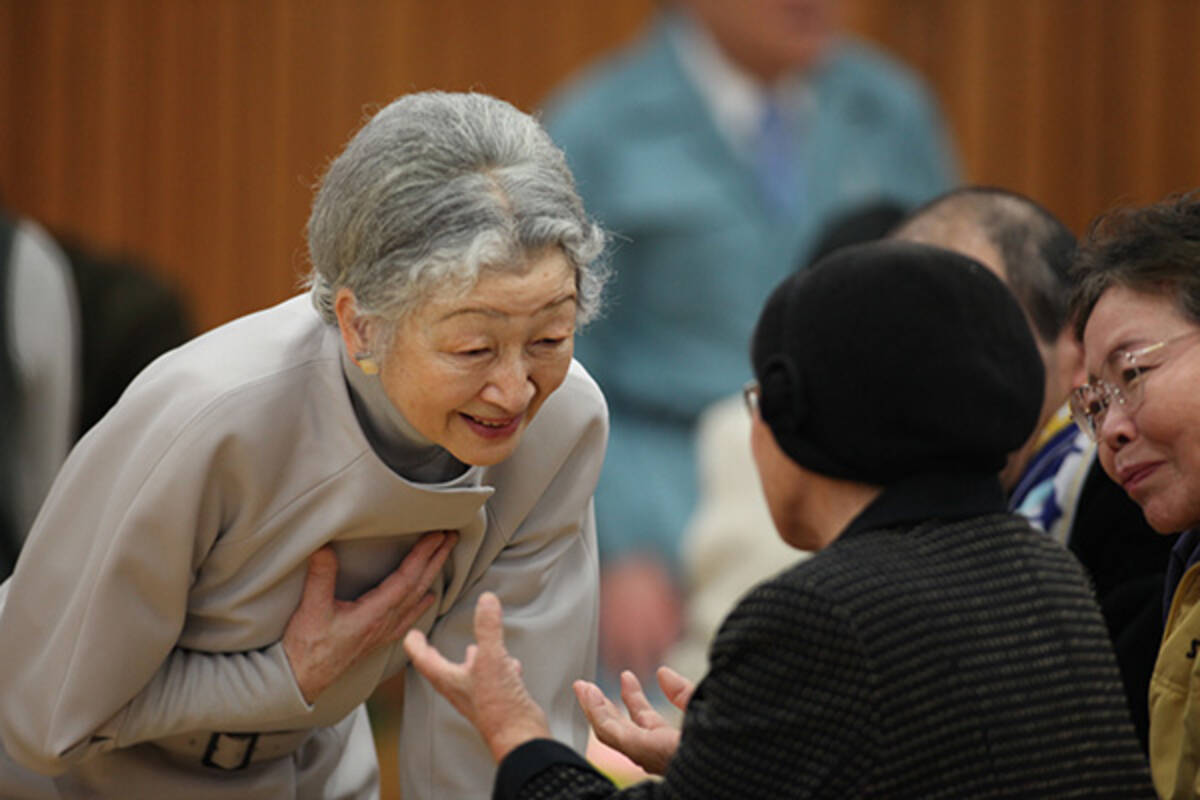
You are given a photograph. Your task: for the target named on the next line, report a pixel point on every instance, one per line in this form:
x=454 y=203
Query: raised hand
x=644 y=737
x=326 y=636
x=486 y=687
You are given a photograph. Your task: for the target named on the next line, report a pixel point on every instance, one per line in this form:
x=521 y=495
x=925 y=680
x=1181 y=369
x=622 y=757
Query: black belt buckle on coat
x=230 y=751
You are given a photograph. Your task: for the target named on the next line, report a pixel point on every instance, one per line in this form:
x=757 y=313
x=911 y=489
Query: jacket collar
x=931 y=496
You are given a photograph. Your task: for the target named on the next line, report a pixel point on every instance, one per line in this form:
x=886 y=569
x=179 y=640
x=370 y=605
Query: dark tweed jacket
x=940 y=647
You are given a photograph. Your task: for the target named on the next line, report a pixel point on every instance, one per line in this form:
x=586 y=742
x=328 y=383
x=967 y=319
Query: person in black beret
x=935 y=646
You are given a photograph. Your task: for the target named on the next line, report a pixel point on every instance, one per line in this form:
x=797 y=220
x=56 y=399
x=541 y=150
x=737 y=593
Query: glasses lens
x=1088 y=404
x=750 y=395
x=1086 y=408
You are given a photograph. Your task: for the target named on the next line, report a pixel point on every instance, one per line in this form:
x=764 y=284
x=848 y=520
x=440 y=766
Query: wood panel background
x=189 y=133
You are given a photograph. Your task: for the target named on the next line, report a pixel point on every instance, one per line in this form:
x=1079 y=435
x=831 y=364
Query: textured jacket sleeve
x=546 y=578
x=785 y=712
x=93 y=612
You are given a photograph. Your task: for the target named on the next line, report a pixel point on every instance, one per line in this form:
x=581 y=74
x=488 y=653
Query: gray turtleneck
x=394 y=440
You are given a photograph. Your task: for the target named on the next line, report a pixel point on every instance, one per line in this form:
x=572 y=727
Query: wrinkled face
x=1153 y=449
x=769 y=37
x=470 y=371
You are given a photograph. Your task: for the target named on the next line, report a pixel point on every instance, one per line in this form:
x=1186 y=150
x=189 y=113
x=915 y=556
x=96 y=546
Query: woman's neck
x=392 y=437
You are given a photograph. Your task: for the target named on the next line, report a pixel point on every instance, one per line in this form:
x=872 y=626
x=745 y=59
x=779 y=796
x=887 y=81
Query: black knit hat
x=890 y=359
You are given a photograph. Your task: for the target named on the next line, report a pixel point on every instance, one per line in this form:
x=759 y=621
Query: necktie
x=775 y=161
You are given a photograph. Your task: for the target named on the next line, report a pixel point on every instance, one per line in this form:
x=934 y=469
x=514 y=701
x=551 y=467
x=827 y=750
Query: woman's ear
x=354 y=326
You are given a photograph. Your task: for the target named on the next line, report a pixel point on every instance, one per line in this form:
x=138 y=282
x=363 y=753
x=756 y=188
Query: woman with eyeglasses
x=936 y=645
x=1137 y=310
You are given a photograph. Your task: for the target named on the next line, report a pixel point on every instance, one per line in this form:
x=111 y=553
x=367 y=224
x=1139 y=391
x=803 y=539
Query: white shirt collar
x=735 y=99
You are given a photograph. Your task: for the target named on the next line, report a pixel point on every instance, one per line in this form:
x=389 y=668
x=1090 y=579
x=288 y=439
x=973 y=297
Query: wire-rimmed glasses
x=750 y=394
x=1122 y=380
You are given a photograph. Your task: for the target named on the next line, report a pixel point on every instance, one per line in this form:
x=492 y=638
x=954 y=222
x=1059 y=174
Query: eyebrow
x=1108 y=357
x=1126 y=345
x=569 y=297
x=1132 y=345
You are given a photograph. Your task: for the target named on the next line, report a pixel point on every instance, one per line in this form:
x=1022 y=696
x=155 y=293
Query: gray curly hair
x=436 y=188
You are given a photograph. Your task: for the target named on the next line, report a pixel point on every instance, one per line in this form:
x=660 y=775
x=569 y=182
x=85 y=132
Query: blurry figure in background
x=729 y=544
x=1055 y=479
x=1030 y=250
x=76 y=328
x=129 y=316
x=39 y=375
x=717 y=148
x=936 y=645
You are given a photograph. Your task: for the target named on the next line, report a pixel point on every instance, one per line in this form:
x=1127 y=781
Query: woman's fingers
x=410 y=618
x=320 y=581
x=649 y=746
x=419 y=568
x=640 y=709
x=402 y=597
x=676 y=688
x=429 y=562
x=489 y=625
x=603 y=716
x=426 y=658
x=325 y=636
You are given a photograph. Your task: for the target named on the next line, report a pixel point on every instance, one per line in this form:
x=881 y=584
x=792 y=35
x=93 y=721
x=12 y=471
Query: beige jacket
x=1175 y=696
x=151 y=597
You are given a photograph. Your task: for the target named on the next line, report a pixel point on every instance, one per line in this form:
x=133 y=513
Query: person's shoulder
x=577 y=406
x=858 y=67
x=835 y=576
x=607 y=90
x=814 y=581
x=808 y=602
x=240 y=369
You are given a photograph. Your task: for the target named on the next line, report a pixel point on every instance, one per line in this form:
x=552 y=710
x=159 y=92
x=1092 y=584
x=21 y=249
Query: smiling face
x=470 y=370
x=1153 y=450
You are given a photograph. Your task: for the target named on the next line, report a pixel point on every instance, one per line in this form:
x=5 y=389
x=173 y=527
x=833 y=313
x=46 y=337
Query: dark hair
x=1036 y=247
x=864 y=223
x=1153 y=249
x=935 y=331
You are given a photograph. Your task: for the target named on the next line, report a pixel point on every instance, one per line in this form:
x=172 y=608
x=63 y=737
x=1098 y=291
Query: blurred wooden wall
x=190 y=132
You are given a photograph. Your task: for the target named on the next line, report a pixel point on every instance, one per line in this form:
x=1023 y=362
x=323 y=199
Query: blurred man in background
x=717 y=148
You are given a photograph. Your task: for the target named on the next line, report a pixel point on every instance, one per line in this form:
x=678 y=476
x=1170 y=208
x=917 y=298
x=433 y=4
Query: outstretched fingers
x=436 y=668
x=640 y=709
x=676 y=688
x=489 y=625
x=486 y=687
x=605 y=718
x=644 y=737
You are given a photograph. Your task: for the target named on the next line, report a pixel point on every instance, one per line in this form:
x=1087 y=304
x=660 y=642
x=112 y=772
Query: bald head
x=1031 y=251
x=1013 y=236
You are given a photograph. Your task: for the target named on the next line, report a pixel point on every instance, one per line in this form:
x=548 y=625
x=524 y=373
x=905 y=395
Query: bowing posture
x=225 y=565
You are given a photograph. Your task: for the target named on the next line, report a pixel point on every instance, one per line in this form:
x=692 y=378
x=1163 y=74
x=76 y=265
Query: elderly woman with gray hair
x=225 y=565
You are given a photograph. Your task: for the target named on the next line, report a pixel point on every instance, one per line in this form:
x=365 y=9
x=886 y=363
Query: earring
x=366 y=363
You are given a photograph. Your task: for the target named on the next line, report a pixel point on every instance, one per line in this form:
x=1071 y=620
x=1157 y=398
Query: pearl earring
x=366 y=363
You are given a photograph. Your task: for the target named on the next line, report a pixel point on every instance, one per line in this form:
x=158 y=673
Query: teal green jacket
x=697 y=250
